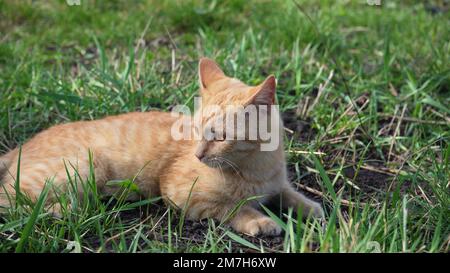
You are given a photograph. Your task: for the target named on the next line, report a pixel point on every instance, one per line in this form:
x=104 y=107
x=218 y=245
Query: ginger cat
x=224 y=171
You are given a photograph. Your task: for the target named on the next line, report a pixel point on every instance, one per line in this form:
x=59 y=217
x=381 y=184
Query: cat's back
x=119 y=131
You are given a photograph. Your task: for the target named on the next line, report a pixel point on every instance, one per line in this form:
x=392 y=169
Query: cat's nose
x=200 y=156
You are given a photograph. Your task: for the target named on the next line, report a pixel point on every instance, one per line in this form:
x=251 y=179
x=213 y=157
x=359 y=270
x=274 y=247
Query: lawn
x=364 y=92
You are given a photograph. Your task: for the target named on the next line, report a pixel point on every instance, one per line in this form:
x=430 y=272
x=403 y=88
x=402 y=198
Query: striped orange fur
x=224 y=172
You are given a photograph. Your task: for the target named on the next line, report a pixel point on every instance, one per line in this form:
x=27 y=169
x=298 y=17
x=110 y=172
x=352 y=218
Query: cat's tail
x=5 y=161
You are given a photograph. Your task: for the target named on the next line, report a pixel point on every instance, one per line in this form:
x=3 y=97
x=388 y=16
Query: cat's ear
x=208 y=72
x=264 y=94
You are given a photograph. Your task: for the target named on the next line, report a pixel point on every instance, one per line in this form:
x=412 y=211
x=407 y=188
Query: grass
x=364 y=90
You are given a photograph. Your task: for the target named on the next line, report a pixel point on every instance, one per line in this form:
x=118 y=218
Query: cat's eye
x=215 y=136
x=220 y=139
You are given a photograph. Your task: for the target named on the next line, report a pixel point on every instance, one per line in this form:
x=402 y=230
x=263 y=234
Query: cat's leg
x=249 y=220
x=246 y=220
x=200 y=201
x=293 y=199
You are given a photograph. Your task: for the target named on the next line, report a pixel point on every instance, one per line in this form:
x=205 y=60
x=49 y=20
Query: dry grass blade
x=342 y=201
x=396 y=132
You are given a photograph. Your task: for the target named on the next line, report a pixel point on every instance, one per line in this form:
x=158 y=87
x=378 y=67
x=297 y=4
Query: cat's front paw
x=263 y=225
x=316 y=211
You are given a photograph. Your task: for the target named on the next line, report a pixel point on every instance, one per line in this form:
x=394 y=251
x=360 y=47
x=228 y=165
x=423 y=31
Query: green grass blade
x=241 y=240
x=326 y=180
x=39 y=206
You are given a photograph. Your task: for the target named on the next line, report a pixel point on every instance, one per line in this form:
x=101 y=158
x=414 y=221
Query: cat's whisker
x=232 y=165
x=216 y=164
x=221 y=170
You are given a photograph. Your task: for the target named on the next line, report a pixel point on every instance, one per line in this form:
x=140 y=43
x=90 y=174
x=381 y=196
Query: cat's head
x=231 y=117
